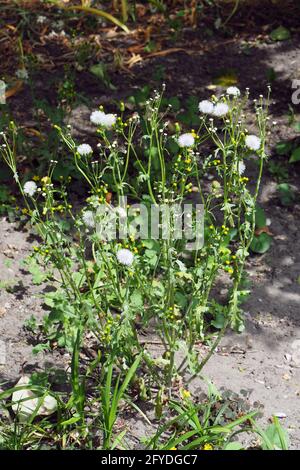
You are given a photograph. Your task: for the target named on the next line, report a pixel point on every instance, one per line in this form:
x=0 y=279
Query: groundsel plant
x=116 y=287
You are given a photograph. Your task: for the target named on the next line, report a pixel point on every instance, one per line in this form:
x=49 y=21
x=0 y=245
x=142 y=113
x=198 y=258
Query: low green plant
x=212 y=425
x=77 y=414
x=114 y=287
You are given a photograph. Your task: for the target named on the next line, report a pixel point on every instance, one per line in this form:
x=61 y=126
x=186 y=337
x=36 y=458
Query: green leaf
x=283 y=148
x=72 y=420
x=174 y=102
x=151 y=257
x=181 y=299
x=286 y=194
x=280 y=34
x=234 y=446
x=136 y=299
x=192 y=104
x=38 y=276
x=297 y=126
x=260 y=217
x=172 y=146
x=261 y=243
x=219 y=320
x=271 y=74
x=40 y=348
x=277 y=436
x=295 y=157
x=100 y=71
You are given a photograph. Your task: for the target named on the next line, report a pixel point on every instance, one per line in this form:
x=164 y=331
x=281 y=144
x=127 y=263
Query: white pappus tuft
x=84 y=149
x=233 y=91
x=186 y=140
x=89 y=219
x=220 y=109
x=99 y=118
x=125 y=257
x=206 y=107
x=241 y=167
x=30 y=188
x=253 y=142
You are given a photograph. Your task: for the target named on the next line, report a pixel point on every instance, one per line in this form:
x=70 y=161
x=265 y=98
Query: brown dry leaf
x=140 y=10
x=31 y=131
x=263 y=230
x=44 y=31
x=111 y=33
x=172 y=50
x=193 y=16
x=11 y=27
x=137 y=48
x=2 y=311
x=134 y=59
x=14 y=90
x=286 y=377
x=108 y=197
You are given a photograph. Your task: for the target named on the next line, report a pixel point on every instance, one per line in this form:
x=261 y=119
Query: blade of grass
x=103 y=14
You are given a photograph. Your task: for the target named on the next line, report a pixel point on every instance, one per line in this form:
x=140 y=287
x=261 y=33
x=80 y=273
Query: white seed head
x=233 y=91
x=241 y=167
x=30 y=188
x=88 y=219
x=186 y=140
x=99 y=118
x=206 y=107
x=84 y=149
x=253 y=142
x=125 y=257
x=220 y=109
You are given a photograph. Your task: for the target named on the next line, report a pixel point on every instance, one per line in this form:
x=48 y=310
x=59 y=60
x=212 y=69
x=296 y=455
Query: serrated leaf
x=38 y=276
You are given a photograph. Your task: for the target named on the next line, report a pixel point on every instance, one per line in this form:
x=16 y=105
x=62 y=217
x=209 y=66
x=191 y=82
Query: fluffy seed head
x=96 y=117
x=206 y=107
x=89 y=219
x=241 y=167
x=84 y=149
x=220 y=109
x=186 y=140
x=253 y=142
x=233 y=91
x=99 y=118
x=30 y=188
x=125 y=257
